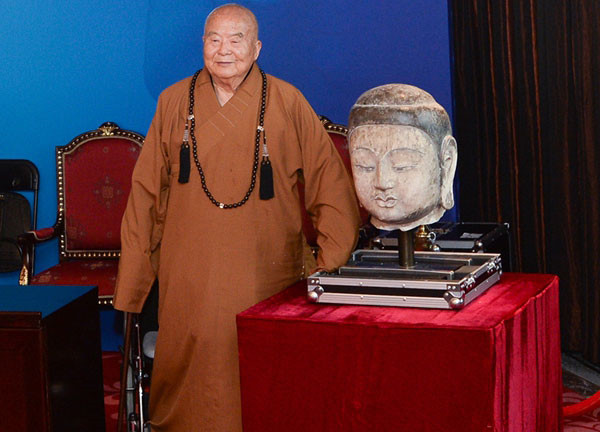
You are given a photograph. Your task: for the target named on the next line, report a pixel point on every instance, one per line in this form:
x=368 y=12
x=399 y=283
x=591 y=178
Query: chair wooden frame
x=333 y=127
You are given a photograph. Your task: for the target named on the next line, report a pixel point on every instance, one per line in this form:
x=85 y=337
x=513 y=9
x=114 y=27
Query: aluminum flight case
x=439 y=280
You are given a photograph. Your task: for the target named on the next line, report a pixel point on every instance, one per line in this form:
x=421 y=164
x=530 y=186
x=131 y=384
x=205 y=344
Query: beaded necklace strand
x=266 y=175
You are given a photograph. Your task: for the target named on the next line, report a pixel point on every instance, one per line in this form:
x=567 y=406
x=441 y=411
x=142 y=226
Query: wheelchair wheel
x=137 y=388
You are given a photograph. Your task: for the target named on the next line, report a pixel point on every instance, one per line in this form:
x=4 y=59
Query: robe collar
x=244 y=94
x=215 y=122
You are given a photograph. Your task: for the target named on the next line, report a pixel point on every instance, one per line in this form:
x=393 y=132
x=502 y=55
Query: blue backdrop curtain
x=526 y=80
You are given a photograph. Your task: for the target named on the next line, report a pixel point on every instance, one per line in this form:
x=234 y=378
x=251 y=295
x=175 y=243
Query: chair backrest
x=16 y=175
x=20 y=175
x=93 y=180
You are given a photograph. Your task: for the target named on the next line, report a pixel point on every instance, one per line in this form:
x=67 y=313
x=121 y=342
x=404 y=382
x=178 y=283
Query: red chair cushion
x=97 y=180
x=102 y=273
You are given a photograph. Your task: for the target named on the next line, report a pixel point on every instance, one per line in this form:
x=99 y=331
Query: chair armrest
x=41 y=235
x=26 y=242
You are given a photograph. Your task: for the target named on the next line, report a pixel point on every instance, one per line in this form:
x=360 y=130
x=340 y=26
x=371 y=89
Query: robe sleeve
x=329 y=192
x=143 y=221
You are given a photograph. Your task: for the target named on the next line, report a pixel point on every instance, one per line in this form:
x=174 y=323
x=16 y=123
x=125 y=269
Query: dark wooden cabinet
x=50 y=359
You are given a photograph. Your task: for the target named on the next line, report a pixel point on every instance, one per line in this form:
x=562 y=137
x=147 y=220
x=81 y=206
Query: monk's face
x=396 y=172
x=230 y=46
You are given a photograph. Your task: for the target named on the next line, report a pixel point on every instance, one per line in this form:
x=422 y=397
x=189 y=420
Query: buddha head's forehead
x=401 y=104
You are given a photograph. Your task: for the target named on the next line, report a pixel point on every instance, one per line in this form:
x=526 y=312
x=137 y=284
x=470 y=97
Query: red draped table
x=493 y=366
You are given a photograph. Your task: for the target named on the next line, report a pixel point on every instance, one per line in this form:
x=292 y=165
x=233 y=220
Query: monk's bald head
x=231 y=46
x=239 y=12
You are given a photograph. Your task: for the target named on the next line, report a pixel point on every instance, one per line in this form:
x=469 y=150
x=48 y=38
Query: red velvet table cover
x=493 y=366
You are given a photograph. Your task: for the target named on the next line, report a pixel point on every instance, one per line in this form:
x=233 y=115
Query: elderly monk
x=214 y=214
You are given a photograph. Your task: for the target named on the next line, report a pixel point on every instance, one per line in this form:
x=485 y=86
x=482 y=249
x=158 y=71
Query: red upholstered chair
x=338 y=134
x=93 y=181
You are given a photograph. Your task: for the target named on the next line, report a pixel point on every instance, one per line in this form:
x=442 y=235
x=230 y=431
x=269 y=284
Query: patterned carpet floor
x=112 y=366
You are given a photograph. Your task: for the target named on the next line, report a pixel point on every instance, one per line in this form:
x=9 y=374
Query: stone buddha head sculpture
x=403 y=156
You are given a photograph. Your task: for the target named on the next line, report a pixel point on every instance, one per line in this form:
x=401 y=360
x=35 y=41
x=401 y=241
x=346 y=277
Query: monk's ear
x=448 y=160
x=257 y=47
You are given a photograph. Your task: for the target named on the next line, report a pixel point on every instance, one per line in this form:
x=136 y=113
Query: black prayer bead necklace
x=265 y=162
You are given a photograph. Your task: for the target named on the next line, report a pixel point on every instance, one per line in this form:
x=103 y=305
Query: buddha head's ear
x=448 y=160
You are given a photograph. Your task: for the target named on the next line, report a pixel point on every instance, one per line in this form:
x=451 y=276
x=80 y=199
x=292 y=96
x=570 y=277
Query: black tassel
x=266 y=179
x=184 y=163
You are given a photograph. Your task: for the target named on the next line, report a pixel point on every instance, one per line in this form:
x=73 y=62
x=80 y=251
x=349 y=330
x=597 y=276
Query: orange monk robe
x=213 y=263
